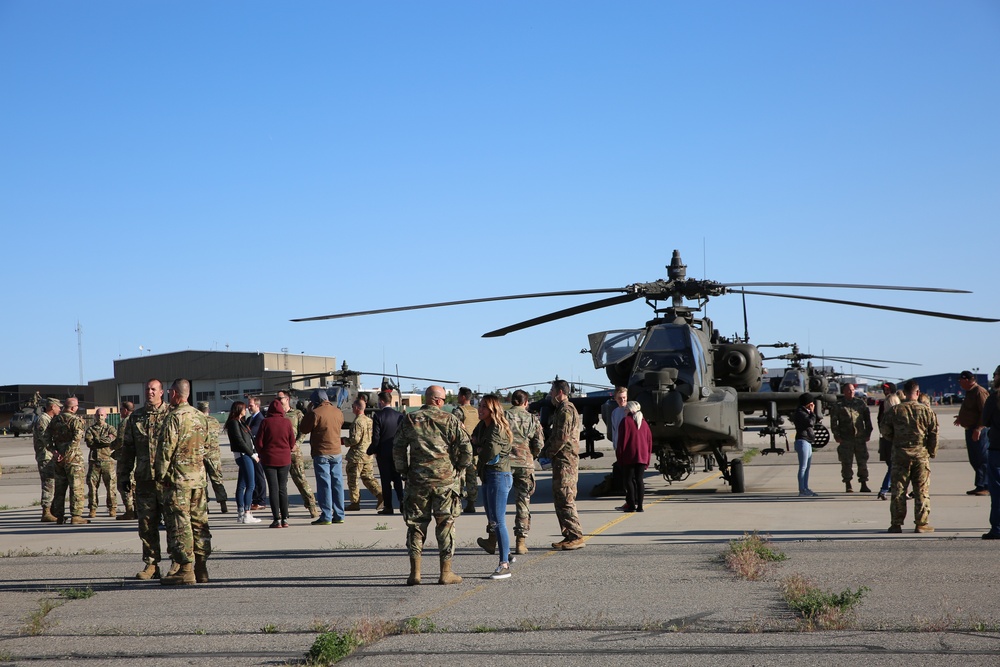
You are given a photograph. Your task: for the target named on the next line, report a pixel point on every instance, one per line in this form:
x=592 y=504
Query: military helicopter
x=344 y=386
x=697 y=389
x=816 y=379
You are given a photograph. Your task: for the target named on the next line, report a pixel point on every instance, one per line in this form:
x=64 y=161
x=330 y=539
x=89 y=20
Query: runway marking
x=552 y=552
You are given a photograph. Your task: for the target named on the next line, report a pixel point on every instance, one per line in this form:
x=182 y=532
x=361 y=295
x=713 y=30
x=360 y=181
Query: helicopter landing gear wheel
x=736 y=476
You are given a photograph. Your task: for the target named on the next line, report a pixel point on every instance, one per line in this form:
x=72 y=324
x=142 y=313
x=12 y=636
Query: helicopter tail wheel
x=736 y=476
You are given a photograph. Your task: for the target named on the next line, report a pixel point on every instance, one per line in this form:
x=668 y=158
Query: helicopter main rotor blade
x=848 y=361
x=898 y=309
x=881 y=361
x=560 y=314
x=459 y=303
x=851 y=286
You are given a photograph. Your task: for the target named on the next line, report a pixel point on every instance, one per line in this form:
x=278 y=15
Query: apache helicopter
x=697 y=389
x=343 y=387
x=816 y=379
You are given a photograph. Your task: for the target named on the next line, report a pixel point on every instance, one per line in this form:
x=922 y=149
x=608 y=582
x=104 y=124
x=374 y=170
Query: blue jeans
x=244 y=483
x=993 y=467
x=977 y=455
x=887 y=480
x=496 y=488
x=329 y=487
x=804 y=450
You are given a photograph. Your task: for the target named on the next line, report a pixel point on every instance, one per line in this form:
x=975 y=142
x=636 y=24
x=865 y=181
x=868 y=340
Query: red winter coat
x=635 y=443
x=275 y=438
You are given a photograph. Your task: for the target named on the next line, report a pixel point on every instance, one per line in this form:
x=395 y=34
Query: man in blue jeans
x=324 y=422
x=970 y=417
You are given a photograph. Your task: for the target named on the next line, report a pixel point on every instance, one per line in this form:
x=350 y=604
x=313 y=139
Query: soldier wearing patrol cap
x=43 y=457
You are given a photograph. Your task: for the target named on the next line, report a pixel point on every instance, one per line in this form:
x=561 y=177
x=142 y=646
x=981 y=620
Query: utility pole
x=79 y=347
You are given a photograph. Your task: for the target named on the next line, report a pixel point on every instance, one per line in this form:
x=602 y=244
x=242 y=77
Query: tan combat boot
x=183 y=577
x=93 y=512
x=173 y=569
x=113 y=512
x=379 y=503
x=79 y=520
x=447 y=576
x=489 y=543
x=521 y=547
x=151 y=571
x=47 y=516
x=313 y=510
x=414 y=578
x=353 y=507
x=200 y=569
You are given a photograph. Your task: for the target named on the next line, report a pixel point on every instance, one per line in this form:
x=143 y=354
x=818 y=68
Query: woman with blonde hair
x=635 y=447
x=891 y=400
x=493 y=439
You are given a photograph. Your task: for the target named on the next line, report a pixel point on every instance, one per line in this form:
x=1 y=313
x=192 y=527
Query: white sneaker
x=250 y=518
x=502 y=572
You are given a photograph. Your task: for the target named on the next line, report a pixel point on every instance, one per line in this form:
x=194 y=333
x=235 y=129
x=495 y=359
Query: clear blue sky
x=187 y=175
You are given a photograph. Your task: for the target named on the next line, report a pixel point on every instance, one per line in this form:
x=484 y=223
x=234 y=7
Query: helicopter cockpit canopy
x=792 y=381
x=610 y=347
x=658 y=347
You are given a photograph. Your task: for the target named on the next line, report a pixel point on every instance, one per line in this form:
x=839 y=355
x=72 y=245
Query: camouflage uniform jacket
x=139 y=441
x=912 y=427
x=181 y=444
x=851 y=419
x=213 y=457
x=527 y=437
x=438 y=447
x=101 y=439
x=468 y=415
x=119 y=441
x=359 y=437
x=564 y=432
x=65 y=436
x=42 y=454
x=295 y=416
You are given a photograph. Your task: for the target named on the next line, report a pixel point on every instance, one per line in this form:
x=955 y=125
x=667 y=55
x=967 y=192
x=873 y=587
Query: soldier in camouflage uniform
x=431 y=451
x=913 y=429
x=527 y=446
x=563 y=447
x=180 y=464
x=101 y=438
x=64 y=438
x=126 y=479
x=851 y=427
x=43 y=457
x=469 y=416
x=359 y=463
x=139 y=453
x=213 y=458
x=298 y=469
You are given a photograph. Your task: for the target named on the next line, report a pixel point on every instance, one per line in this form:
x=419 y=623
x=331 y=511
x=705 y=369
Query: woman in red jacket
x=635 y=447
x=275 y=441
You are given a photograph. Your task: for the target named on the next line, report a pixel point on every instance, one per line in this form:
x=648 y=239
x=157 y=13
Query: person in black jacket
x=385 y=421
x=805 y=419
x=241 y=442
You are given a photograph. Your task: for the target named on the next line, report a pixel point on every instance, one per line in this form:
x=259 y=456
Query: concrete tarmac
x=649 y=585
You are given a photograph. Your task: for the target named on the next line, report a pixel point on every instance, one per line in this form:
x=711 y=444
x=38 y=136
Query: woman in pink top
x=635 y=447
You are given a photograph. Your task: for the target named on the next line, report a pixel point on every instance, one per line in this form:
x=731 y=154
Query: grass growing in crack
x=821 y=609
x=49 y=551
x=332 y=646
x=7 y=507
x=381 y=526
x=484 y=628
x=269 y=629
x=751 y=556
x=353 y=546
x=76 y=593
x=749 y=454
x=36 y=620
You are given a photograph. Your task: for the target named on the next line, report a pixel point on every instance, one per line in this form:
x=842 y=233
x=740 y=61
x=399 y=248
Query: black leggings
x=634 y=488
x=277 y=488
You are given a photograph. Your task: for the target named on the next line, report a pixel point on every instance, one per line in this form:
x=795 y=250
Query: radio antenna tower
x=79 y=347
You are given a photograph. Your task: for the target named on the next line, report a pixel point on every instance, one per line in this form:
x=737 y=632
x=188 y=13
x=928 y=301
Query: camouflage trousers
x=47 y=473
x=149 y=509
x=565 y=469
x=359 y=468
x=470 y=484
x=126 y=486
x=69 y=475
x=907 y=468
x=420 y=504
x=186 y=517
x=102 y=471
x=524 y=486
x=847 y=452
x=298 y=473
